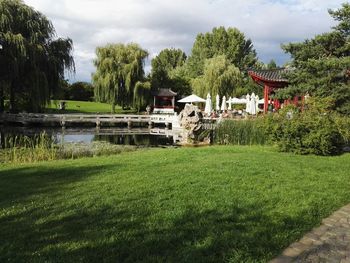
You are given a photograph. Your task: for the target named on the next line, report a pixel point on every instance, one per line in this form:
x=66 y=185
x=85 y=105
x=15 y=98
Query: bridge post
x=63 y=121
x=129 y=123
x=98 y=122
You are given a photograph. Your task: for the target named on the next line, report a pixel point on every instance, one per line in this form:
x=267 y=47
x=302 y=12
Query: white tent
x=223 y=105
x=208 y=108
x=192 y=99
x=217 y=106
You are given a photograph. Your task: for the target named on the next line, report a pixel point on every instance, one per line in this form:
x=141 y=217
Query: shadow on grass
x=134 y=233
x=17 y=184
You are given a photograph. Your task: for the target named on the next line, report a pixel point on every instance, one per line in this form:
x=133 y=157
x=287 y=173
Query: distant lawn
x=73 y=106
x=213 y=204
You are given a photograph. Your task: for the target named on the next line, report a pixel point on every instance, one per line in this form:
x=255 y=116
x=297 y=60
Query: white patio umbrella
x=208 y=108
x=192 y=99
x=217 y=104
x=223 y=105
x=257 y=103
x=253 y=104
x=247 y=106
x=229 y=104
x=238 y=101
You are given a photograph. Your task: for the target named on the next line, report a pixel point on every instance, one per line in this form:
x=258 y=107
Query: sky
x=159 y=24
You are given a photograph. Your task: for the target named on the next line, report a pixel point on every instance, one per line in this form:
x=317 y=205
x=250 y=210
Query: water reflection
x=139 y=137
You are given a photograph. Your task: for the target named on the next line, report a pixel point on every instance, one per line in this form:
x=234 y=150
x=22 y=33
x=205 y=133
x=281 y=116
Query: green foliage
x=241 y=132
x=142 y=95
x=342 y=15
x=317 y=130
x=208 y=204
x=32 y=60
x=229 y=42
x=118 y=68
x=81 y=91
x=271 y=65
x=219 y=77
x=166 y=61
x=322 y=64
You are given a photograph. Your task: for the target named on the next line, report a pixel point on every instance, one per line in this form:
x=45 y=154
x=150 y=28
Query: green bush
x=317 y=130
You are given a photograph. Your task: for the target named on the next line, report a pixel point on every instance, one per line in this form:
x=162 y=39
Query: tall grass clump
x=241 y=132
x=20 y=149
x=42 y=147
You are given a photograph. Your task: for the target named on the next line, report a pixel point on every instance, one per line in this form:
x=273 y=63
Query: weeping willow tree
x=219 y=77
x=142 y=95
x=118 y=68
x=32 y=60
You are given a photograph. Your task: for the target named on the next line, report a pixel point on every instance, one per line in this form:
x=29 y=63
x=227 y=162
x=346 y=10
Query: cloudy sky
x=159 y=24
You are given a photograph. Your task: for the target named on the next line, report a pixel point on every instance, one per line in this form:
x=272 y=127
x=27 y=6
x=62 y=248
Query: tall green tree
x=322 y=64
x=166 y=61
x=32 y=60
x=219 y=77
x=230 y=42
x=118 y=68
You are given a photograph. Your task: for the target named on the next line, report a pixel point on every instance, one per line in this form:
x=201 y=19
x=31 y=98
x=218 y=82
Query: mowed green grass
x=73 y=106
x=213 y=204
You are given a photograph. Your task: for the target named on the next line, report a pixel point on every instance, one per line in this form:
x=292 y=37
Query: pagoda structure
x=272 y=80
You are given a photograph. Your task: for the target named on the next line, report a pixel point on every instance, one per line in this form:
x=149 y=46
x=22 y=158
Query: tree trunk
x=2 y=100
x=12 y=97
x=2 y=140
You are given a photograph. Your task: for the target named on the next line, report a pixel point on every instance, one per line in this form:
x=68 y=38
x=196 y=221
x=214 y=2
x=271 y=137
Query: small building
x=164 y=101
x=271 y=80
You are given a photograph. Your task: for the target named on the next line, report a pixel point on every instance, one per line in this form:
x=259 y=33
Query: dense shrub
x=317 y=130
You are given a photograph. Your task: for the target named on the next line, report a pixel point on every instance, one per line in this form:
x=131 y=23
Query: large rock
x=190 y=120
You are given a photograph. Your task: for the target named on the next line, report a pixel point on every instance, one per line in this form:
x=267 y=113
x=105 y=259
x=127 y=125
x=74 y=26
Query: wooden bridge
x=64 y=120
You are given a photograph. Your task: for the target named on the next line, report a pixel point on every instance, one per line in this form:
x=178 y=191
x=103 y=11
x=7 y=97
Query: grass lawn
x=73 y=106
x=213 y=204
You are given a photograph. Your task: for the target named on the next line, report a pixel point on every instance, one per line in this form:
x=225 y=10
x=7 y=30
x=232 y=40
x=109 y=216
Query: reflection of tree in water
x=135 y=139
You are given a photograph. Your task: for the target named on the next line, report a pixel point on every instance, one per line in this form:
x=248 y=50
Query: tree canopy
x=230 y=42
x=166 y=61
x=32 y=60
x=118 y=68
x=219 y=77
x=322 y=64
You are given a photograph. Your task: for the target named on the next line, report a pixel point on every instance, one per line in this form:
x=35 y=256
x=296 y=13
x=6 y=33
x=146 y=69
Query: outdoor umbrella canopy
x=230 y=104
x=223 y=106
x=208 y=109
x=238 y=101
x=217 y=106
x=192 y=99
x=253 y=103
x=247 y=107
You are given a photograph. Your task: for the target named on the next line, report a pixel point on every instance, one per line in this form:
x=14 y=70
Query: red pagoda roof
x=272 y=75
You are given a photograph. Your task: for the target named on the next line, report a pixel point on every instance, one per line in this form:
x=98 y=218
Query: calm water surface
x=139 y=137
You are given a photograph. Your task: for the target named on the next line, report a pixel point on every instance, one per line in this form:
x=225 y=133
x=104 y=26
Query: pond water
x=139 y=137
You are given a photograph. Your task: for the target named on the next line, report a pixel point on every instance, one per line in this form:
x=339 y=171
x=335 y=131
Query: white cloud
x=158 y=24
